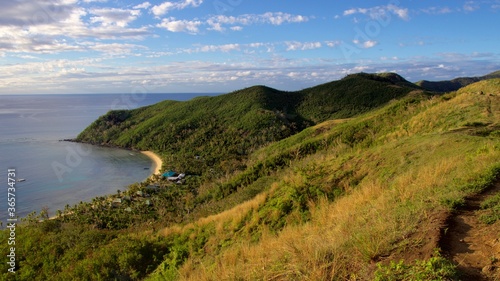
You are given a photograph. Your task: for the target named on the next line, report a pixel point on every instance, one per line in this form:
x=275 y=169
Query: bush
x=492 y=205
x=435 y=268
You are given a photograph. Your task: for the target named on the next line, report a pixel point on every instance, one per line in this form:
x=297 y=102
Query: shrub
x=435 y=268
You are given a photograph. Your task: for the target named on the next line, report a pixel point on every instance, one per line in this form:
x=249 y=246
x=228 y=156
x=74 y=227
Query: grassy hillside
x=454 y=84
x=356 y=93
x=358 y=198
x=223 y=130
x=354 y=194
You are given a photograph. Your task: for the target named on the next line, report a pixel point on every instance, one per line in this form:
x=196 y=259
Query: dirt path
x=474 y=246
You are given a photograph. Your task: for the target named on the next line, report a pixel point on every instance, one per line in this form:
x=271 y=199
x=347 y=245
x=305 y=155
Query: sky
x=217 y=46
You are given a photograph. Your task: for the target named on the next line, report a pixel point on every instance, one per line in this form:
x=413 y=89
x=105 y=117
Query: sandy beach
x=156 y=160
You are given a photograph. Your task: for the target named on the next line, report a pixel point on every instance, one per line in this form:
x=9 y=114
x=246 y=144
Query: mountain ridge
x=454 y=84
x=228 y=127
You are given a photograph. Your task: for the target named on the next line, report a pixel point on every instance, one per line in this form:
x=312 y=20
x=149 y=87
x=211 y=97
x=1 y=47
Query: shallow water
x=58 y=173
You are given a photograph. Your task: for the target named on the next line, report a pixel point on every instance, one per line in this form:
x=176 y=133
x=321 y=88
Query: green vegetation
x=492 y=207
x=327 y=188
x=435 y=268
x=212 y=136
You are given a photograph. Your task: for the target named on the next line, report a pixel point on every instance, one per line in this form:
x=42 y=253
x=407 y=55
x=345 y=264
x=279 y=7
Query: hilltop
x=223 y=130
x=366 y=186
x=454 y=84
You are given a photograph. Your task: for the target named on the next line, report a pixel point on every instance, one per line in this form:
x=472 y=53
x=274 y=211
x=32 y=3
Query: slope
x=353 y=194
x=202 y=132
x=226 y=128
x=454 y=84
x=338 y=200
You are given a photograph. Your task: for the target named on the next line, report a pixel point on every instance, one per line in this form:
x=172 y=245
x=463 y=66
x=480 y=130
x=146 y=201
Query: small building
x=169 y=174
x=116 y=202
x=177 y=178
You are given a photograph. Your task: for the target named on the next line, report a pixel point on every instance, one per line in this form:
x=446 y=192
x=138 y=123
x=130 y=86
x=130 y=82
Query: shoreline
x=157 y=162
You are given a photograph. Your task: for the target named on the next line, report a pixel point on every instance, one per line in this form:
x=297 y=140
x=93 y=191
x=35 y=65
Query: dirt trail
x=474 y=246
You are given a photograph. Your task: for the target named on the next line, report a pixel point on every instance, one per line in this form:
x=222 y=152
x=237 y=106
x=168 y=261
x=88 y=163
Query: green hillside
x=229 y=127
x=363 y=196
x=454 y=84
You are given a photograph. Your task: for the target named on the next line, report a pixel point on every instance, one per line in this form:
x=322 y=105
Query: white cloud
x=217 y=27
x=400 y=12
x=101 y=75
x=165 y=7
x=252 y=48
x=471 y=6
x=30 y=57
x=351 y=12
x=244 y=73
x=256 y=45
x=294 y=46
x=388 y=59
x=31 y=13
x=333 y=44
x=60 y=25
x=369 y=44
x=221 y=22
x=159 y=54
x=277 y=18
x=114 y=16
x=280 y=18
x=173 y=25
x=223 y=48
x=114 y=48
x=144 y=5
x=378 y=12
x=437 y=10
x=365 y=44
x=159 y=10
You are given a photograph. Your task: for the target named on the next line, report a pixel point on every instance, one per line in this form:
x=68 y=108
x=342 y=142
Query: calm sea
x=58 y=173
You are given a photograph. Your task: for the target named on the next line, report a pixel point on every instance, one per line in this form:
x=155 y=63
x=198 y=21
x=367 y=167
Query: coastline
x=156 y=160
x=157 y=163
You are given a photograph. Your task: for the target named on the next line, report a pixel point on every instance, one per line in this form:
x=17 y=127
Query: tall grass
x=393 y=189
x=345 y=238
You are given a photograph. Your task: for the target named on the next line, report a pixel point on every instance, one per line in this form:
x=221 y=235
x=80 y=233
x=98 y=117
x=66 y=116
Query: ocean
x=59 y=173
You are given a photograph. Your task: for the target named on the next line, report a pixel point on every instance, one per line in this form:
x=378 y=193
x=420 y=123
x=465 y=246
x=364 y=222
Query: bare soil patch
x=473 y=245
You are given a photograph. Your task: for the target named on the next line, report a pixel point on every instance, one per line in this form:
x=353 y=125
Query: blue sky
x=125 y=46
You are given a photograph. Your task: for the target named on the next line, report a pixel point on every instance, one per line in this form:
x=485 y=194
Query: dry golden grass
x=401 y=184
x=435 y=116
x=346 y=237
x=234 y=215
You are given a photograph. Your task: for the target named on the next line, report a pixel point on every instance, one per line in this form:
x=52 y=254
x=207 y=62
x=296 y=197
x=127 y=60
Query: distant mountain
x=352 y=95
x=454 y=84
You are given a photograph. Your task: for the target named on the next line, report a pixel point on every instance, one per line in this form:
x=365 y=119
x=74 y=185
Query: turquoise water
x=60 y=173
x=56 y=172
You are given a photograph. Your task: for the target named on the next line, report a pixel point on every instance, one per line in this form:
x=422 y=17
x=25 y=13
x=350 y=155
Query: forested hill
x=225 y=128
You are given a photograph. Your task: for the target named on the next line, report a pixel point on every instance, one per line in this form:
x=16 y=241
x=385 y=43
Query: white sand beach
x=156 y=159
